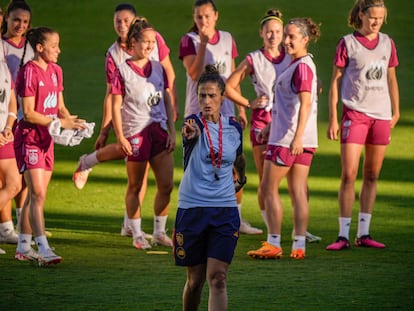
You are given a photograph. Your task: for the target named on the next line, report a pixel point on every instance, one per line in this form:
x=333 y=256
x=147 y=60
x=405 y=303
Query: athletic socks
x=159 y=224
x=6 y=228
x=274 y=239
x=42 y=244
x=344 y=226
x=299 y=242
x=364 y=221
x=135 y=225
x=24 y=243
x=89 y=161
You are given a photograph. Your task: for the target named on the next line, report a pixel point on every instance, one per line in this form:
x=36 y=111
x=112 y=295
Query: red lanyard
x=212 y=153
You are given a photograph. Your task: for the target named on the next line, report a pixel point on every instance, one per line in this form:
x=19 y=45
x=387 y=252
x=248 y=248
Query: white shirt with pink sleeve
x=285 y=112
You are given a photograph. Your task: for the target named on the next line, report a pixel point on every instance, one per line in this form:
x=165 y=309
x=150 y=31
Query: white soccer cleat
x=161 y=239
x=80 y=176
x=49 y=258
x=30 y=255
x=141 y=243
x=246 y=228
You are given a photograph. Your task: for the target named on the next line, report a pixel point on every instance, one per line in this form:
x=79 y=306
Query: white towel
x=67 y=137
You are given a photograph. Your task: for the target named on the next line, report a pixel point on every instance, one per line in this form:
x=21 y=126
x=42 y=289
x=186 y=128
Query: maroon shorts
x=254 y=132
x=281 y=156
x=358 y=128
x=30 y=156
x=7 y=151
x=148 y=143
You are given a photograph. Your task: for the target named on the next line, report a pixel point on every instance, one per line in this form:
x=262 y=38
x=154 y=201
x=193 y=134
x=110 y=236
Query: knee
x=218 y=280
x=370 y=177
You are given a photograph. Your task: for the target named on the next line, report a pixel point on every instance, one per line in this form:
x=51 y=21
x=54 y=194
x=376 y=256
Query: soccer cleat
x=49 y=258
x=267 y=251
x=367 y=241
x=297 y=254
x=30 y=255
x=141 y=243
x=246 y=228
x=80 y=177
x=161 y=239
x=340 y=243
x=10 y=238
x=310 y=238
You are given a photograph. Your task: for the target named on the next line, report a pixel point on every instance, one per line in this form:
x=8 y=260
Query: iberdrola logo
x=375 y=71
x=50 y=101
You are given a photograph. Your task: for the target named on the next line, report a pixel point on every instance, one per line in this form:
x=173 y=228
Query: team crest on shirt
x=154 y=99
x=54 y=79
x=33 y=156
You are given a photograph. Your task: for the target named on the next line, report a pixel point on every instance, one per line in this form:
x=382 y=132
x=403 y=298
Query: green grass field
x=102 y=271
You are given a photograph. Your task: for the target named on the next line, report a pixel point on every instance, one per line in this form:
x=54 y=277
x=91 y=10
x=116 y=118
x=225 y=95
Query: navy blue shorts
x=205 y=232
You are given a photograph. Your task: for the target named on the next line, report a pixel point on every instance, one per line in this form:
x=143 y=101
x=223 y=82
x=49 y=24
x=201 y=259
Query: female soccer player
x=207 y=221
x=143 y=121
x=292 y=141
x=203 y=45
x=118 y=52
x=40 y=86
x=10 y=180
x=16 y=22
x=364 y=71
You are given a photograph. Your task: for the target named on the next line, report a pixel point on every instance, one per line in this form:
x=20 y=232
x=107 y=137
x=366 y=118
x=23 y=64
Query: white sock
x=126 y=220
x=364 y=221
x=42 y=244
x=344 y=226
x=299 y=241
x=264 y=216
x=24 y=243
x=239 y=207
x=6 y=228
x=135 y=225
x=89 y=161
x=159 y=224
x=274 y=239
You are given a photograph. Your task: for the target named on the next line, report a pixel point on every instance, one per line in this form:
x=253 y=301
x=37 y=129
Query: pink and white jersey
x=285 y=110
x=14 y=54
x=143 y=97
x=264 y=75
x=220 y=54
x=364 y=83
x=6 y=85
x=116 y=55
x=44 y=86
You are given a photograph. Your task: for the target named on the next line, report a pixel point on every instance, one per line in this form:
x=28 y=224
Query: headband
x=268 y=18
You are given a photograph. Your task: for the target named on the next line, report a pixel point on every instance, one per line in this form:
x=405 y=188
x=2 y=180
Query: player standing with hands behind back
x=370 y=111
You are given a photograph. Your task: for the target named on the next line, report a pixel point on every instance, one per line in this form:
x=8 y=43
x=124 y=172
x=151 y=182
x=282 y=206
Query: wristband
x=242 y=183
x=8 y=127
x=12 y=114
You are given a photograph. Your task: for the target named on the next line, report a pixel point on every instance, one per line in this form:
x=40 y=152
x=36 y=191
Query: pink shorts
x=358 y=128
x=7 y=151
x=254 y=132
x=282 y=157
x=148 y=143
x=30 y=156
